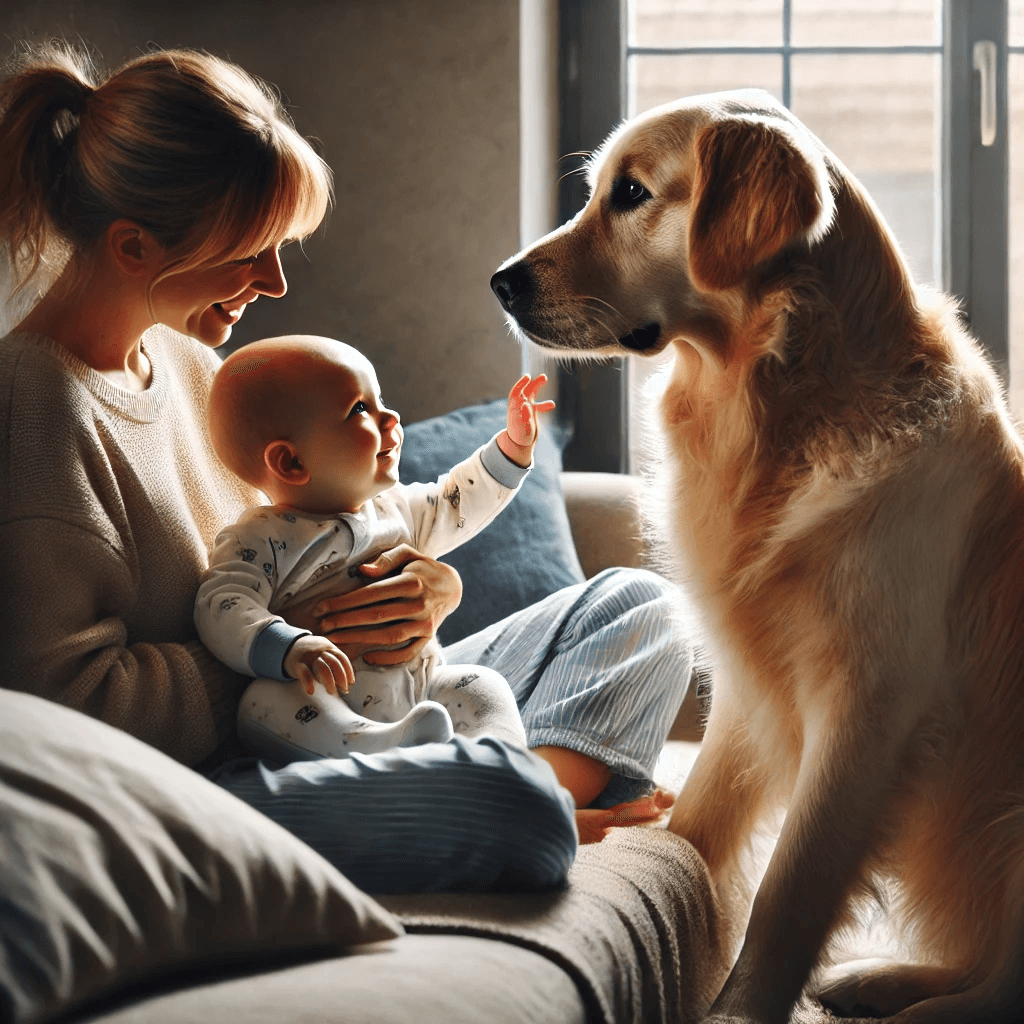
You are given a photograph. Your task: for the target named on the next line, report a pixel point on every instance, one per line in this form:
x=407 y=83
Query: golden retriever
x=845 y=500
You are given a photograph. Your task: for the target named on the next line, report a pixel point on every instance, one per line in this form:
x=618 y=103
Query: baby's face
x=351 y=447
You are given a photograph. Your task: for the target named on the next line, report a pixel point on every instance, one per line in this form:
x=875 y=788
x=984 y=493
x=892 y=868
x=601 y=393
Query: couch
x=134 y=890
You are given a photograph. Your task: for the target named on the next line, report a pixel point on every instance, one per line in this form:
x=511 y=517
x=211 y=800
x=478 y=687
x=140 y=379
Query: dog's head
x=689 y=202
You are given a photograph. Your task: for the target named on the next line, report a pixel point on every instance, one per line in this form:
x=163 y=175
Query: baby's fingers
x=341 y=671
x=323 y=672
x=531 y=389
x=305 y=677
x=518 y=390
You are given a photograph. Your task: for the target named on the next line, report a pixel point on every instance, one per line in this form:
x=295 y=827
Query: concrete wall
x=416 y=104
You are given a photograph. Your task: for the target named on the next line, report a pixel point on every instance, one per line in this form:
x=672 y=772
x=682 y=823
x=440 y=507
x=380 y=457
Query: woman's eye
x=627 y=194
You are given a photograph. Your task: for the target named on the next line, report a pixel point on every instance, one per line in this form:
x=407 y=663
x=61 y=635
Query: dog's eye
x=628 y=194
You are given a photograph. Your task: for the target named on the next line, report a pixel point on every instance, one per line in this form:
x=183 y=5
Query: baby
x=301 y=418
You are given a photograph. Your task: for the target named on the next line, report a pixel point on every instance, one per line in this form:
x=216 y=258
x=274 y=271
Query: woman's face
x=205 y=304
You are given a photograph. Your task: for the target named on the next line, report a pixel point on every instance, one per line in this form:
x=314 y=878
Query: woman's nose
x=270 y=279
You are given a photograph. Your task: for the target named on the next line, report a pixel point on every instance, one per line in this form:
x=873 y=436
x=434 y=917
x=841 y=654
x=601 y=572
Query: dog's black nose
x=514 y=287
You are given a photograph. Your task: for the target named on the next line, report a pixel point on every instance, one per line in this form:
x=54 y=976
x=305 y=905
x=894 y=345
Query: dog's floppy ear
x=756 y=188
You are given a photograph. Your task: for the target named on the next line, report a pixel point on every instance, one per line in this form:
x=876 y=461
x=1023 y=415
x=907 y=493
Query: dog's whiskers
x=576 y=170
x=594 y=298
x=583 y=167
x=597 y=319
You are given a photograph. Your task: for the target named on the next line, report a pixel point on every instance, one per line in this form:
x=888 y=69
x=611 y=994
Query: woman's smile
x=231 y=310
x=185 y=301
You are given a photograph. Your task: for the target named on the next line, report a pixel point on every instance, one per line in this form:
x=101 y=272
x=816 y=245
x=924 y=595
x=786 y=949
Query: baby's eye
x=358 y=408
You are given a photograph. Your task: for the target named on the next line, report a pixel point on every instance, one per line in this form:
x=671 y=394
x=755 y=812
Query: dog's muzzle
x=516 y=289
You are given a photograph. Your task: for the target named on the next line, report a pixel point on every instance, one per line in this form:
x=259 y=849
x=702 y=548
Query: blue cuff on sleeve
x=266 y=659
x=500 y=466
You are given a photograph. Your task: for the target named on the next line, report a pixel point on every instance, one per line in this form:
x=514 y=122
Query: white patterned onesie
x=268 y=571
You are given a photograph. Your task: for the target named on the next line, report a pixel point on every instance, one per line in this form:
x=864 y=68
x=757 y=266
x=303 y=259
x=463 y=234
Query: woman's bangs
x=303 y=186
x=292 y=206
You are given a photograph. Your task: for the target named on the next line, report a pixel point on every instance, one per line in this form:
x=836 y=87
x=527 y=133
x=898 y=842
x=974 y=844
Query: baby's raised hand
x=520 y=436
x=314 y=659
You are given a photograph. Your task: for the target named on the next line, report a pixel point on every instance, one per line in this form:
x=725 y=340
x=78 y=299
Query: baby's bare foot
x=593 y=823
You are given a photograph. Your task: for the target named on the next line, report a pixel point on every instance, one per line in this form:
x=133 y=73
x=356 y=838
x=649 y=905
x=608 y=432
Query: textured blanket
x=637 y=928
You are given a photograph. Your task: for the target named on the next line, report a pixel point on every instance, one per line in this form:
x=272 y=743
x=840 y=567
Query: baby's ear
x=758 y=186
x=282 y=459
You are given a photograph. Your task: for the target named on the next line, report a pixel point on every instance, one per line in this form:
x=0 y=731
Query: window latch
x=985 y=64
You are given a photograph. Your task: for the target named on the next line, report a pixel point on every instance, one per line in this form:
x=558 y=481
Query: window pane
x=657 y=80
x=866 y=22
x=705 y=22
x=1015 y=76
x=1015 y=23
x=881 y=116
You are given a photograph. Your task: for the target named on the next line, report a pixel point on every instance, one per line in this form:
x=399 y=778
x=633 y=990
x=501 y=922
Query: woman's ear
x=133 y=249
x=282 y=459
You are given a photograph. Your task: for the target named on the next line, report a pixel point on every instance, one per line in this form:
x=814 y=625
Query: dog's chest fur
x=789 y=567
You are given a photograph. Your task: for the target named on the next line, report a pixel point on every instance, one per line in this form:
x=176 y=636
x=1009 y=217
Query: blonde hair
x=191 y=148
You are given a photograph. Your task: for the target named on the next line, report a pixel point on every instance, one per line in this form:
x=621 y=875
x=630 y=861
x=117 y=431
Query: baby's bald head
x=271 y=390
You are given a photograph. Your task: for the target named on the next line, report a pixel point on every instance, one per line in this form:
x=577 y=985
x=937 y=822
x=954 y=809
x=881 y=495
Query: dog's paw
x=878 y=988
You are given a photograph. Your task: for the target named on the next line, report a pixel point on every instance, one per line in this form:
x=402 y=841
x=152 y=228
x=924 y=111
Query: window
x=896 y=88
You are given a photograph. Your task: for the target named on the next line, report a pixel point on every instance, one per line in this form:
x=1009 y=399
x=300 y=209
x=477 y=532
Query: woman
x=160 y=197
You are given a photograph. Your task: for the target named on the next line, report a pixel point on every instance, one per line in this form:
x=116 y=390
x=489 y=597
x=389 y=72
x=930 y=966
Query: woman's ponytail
x=42 y=99
x=188 y=146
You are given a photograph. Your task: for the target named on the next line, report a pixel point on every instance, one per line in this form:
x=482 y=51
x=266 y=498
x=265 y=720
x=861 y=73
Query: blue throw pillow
x=528 y=551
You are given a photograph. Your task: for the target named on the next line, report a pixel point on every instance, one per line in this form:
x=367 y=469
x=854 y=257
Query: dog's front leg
x=833 y=819
x=722 y=797
x=716 y=811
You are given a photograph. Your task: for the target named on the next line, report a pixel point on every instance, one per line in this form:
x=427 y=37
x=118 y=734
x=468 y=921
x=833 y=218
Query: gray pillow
x=118 y=866
x=528 y=551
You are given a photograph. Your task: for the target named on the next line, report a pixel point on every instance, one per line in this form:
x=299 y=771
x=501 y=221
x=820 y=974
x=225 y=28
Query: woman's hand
x=406 y=608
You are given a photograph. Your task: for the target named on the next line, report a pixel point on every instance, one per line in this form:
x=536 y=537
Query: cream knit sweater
x=109 y=501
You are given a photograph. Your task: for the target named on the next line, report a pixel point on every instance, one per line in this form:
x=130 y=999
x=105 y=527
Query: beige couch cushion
x=119 y=865
x=604 y=515
x=417 y=979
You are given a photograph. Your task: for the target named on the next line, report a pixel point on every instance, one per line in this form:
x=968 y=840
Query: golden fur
x=844 y=498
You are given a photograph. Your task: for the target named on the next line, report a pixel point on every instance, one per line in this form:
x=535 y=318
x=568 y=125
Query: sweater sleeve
x=63 y=631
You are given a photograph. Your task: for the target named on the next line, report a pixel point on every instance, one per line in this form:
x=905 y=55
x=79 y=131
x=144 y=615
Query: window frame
x=973 y=213
x=593 y=397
